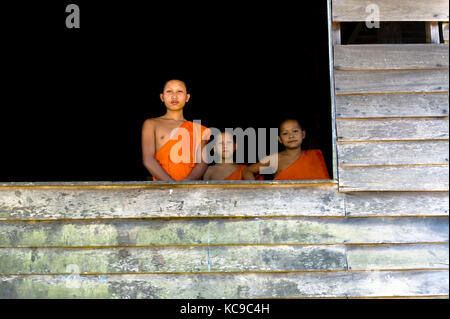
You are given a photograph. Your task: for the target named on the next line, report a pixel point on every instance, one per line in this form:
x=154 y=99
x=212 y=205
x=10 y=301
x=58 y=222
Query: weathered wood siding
x=392 y=131
x=223 y=241
x=392 y=117
x=381 y=231
x=398 y=10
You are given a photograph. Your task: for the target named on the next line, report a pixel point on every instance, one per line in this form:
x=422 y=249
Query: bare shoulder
x=154 y=123
x=150 y=122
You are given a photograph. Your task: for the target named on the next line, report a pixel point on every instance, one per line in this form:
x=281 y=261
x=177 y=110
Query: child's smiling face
x=291 y=134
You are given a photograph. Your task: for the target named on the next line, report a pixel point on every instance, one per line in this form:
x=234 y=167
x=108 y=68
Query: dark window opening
x=75 y=100
x=387 y=33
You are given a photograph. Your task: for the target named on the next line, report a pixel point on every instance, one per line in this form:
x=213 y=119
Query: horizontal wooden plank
x=397 y=257
x=392 y=129
x=282 y=230
x=164 y=184
x=169 y=202
x=393 y=153
x=221 y=259
x=171 y=259
x=401 y=81
x=392 y=105
x=394 y=178
x=361 y=204
x=399 y=10
x=391 y=56
x=215 y=286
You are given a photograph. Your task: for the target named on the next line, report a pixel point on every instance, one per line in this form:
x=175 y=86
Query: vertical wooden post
x=336 y=33
x=445 y=31
x=433 y=32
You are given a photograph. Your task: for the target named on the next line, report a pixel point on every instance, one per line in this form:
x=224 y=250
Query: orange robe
x=237 y=174
x=310 y=165
x=179 y=171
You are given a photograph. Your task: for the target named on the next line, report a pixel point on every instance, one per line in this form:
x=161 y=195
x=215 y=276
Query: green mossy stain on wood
x=184 y=286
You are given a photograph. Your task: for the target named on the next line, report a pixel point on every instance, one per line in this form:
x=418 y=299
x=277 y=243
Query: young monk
x=293 y=163
x=225 y=170
x=170 y=143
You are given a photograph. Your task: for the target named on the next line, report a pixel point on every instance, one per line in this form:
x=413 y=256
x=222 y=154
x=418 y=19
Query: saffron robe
x=237 y=174
x=179 y=164
x=310 y=165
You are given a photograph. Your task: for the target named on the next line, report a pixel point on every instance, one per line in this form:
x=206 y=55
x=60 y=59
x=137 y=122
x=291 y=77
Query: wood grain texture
x=395 y=81
x=399 y=10
x=169 y=202
x=394 y=178
x=361 y=204
x=336 y=30
x=445 y=32
x=270 y=285
x=392 y=105
x=60 y=261
x=432 y=32
x=393 y=153
x=392 y=129
x=391 y=56
x=171 y=259
x=398 y=257
x=223 y=231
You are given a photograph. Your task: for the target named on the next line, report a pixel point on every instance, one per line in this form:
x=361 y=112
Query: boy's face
x=174 y=95
x=291 y=134
x=225 y=145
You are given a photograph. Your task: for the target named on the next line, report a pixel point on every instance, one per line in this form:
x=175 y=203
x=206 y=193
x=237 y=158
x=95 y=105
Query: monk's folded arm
x=197 y=172
x=148 y=153
x=250 y=171
x=156 y=170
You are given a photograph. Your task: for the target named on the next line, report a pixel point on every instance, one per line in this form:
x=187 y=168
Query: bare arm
x=148 y=153
x=250 y=171
x=207 y=175
x=199 y=169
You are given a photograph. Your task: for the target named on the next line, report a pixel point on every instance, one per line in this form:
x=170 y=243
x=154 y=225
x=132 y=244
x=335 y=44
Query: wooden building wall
x=380 y=230
x=392 y=108
x=220 y=241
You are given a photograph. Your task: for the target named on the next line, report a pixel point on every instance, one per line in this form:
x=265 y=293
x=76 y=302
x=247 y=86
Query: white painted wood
x=38 y=204
x=394 y=178
x=391 y=56
x=223 y=231
x=395 y=81
x=397 y=257
x=398 y=10
x=393 y=153
x=392 y=105
x=268 y=285
x=360 y=204
x=392 y=129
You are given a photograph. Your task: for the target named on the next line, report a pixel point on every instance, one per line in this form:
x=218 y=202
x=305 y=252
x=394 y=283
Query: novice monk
x=170 y=144
x=293 y=163
x=226 y=169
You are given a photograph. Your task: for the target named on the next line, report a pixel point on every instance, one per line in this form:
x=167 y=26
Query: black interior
x=74 y=101
x=387 y=33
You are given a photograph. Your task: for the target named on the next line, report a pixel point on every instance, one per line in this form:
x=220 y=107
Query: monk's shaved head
x=177 y=81
x=291 y=120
